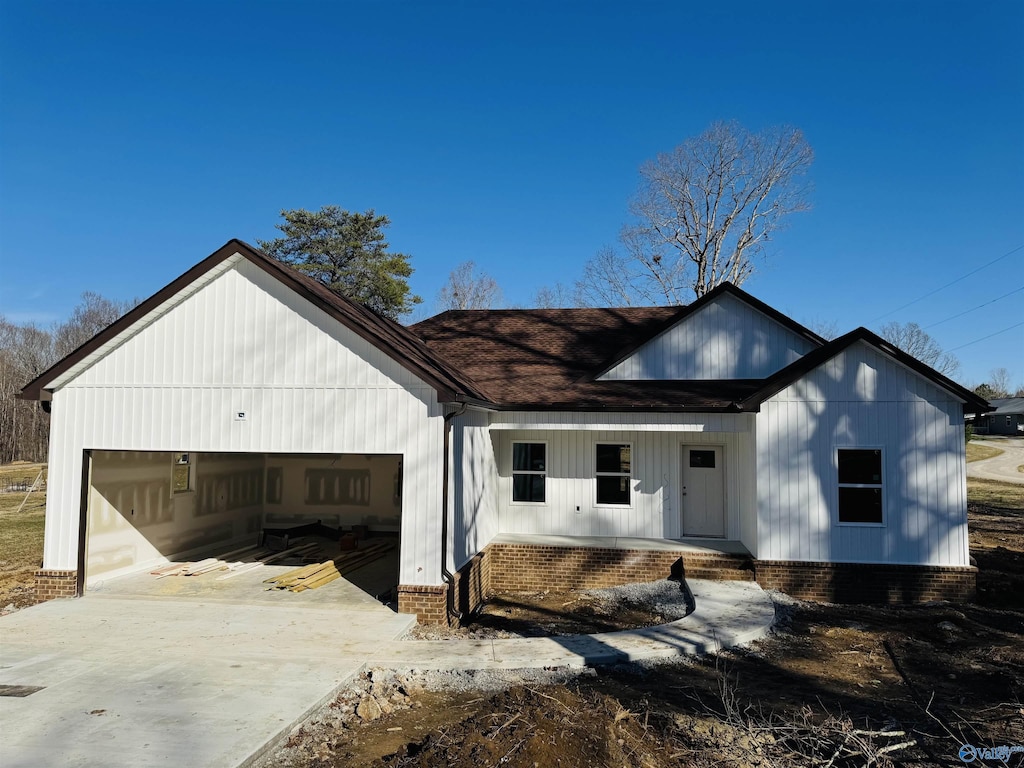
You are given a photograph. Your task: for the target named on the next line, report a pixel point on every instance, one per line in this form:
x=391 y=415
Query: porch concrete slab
x=131 y=681
x=707 y=546
x=726 y=613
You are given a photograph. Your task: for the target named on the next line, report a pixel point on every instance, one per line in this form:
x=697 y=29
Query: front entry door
x=703 y=501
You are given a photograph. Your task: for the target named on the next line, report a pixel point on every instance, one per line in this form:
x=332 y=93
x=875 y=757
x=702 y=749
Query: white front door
x=703 y=501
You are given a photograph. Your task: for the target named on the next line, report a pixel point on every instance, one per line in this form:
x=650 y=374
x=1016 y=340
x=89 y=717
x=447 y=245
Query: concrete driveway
x=156 y=673
x=1004 y=466
x=199 y=680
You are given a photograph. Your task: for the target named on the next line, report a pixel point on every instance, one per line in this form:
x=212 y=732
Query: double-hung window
x=860 y=485
x=614 y=466
x=529 y=470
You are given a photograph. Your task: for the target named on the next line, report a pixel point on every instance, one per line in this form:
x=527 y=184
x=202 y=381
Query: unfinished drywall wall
x=145 y=506
x=342 y=491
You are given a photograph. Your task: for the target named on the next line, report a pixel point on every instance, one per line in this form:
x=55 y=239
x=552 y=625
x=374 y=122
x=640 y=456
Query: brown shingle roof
x=545 y=358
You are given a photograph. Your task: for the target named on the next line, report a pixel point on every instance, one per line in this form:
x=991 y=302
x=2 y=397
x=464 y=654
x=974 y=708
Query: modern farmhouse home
x=505 y=448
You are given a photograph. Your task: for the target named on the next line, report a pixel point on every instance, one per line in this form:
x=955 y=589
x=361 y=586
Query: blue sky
x=136 y=138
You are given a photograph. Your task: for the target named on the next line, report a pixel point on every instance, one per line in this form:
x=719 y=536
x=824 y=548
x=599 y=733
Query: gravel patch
x=664 y=597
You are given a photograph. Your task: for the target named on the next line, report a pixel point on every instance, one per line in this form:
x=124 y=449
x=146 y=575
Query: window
x=181 y=473
x=702 y=459
x=860 y=485
x=529 y=467
x=614 y=467
x=1009 y=421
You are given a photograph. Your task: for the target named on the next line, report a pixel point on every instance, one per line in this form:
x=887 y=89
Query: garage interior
x=146 y=509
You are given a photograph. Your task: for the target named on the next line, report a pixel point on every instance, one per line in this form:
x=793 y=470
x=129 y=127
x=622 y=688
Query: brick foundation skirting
x=517 y=567
x=54 y=584
x=865 y=583
x=473 y=584
x=427 y=601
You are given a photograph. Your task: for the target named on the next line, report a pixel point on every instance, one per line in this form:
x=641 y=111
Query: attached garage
x=240 y=397
x=145 y=508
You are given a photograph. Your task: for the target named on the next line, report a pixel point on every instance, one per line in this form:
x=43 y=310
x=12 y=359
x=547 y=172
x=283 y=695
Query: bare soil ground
x=833 y=686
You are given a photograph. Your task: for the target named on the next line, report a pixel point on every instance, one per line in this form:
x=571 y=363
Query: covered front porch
x=637 y=481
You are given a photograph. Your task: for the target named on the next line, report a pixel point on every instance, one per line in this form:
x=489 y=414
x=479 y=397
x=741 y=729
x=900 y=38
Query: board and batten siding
x=571 y=509
x=472 y=488
x=862 y=398
x=245 y=343
x=727 y=339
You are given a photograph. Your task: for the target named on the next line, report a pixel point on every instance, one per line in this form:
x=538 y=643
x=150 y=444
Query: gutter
x=449 y=577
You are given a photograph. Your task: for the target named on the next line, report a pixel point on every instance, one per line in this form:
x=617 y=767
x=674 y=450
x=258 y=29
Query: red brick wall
x=473 y=583
x=861 y=583
x=53 y=584
x=427 y=601
x=518 y=567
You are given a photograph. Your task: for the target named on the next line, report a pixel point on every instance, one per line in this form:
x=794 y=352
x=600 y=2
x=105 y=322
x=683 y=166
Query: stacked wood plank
x=256 y=556
x=317 y=574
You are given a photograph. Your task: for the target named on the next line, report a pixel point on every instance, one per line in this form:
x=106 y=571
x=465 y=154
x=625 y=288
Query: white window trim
x=632 y=465
x=514 y=472
x=880 y=485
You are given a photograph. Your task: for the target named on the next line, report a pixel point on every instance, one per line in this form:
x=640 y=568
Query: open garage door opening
x=244 y=516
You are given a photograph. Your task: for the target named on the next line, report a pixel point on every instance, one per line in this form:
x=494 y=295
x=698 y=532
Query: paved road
x=1002 y=467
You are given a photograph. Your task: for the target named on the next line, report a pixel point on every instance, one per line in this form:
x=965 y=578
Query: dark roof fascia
x=603 y=408
x=447 y=390
x=598 y=408
x=696 y=306
x=799 y=368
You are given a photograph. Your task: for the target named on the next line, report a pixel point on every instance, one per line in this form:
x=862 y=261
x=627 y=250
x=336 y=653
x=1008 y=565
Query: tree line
x=26 y=350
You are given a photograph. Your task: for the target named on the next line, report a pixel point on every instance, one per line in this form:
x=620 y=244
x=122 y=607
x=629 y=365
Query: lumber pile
x=317 y=574
x=256 y=557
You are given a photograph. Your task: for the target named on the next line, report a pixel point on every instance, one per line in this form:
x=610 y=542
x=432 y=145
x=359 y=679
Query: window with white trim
x=860 y=485
x=613 y=469
x=529 y=472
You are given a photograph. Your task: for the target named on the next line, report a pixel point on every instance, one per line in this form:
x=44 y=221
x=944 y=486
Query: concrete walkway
x=163 y=681
x=1003 y=467
x=727 y=613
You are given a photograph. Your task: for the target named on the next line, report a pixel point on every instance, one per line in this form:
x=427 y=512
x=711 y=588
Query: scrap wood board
x=263 y=557
x=318 y=574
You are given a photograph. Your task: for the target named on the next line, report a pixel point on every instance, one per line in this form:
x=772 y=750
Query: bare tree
x=92 y=315
x=467 y=289
x=25 y=352
x=557 y=296
x=827 y=329
x=999 y=381
x=917 y=343
x=704 y=211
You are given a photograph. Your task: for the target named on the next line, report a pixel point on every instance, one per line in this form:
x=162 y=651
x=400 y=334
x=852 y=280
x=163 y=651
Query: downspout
x=449 y=577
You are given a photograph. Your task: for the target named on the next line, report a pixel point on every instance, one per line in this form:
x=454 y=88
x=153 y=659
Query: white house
x=510 y=448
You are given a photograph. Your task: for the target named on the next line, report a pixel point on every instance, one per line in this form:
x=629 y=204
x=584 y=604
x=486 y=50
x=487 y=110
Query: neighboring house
x=513 y=448
x=1006 y=419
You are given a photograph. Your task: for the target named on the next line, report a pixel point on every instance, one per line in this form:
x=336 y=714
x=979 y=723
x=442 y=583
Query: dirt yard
x=833 y=686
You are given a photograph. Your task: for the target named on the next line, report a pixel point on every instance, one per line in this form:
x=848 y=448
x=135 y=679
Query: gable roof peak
x=390 y=337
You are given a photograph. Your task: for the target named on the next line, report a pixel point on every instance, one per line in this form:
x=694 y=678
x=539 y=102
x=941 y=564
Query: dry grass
x=977 y=452
x=993 y=493
x=21 y=536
